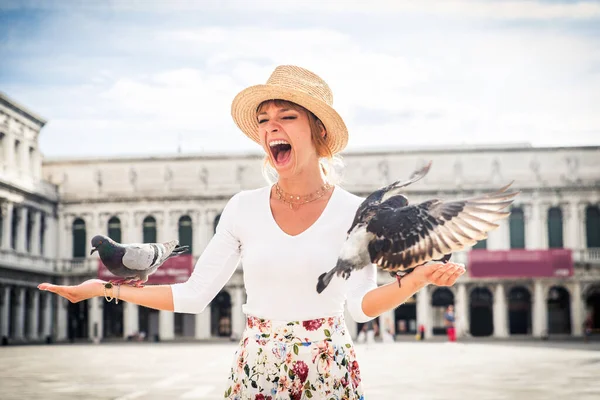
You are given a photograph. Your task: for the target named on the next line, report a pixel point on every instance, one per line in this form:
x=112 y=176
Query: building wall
x=63 y=192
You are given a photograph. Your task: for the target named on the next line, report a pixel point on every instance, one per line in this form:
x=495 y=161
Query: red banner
x=520 y=263
x=175 y=270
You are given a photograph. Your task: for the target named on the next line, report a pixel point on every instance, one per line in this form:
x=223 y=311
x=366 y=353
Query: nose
x=271 y=127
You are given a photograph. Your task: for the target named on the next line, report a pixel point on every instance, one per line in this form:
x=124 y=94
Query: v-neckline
x=311 y=226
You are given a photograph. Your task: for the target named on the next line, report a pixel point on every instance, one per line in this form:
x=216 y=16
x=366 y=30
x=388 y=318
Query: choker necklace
x=296 y=201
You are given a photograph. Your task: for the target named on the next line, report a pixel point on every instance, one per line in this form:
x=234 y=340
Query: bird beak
x=93 y=250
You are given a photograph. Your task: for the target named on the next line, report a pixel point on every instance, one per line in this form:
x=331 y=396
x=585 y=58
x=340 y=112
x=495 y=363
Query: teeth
x=276 y=142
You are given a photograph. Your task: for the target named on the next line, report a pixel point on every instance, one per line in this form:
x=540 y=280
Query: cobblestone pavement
x=402 y=370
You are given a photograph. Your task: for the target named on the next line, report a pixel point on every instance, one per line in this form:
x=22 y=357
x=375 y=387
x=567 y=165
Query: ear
x=323 y=130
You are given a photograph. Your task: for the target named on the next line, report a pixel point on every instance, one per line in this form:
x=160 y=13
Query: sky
x=150 y=77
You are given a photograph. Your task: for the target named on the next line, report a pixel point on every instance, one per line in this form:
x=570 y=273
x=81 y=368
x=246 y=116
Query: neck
x=303 y=183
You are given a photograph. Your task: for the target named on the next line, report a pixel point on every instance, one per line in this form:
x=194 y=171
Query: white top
x=280 y=271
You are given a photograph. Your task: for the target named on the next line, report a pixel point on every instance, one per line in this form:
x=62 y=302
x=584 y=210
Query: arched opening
x=28 y=310
x=114 y=229
x=29 y=231
x=149 y=229
x=519 y=311
x=186 y=232
x=406 y=317
x=481 y=312
x=592 y=305
x=79 y=238
x=148 y=323
x=555 y=228
x=14 y=229
x=441 y=298
x=559 y=311
x=112 y=320
x=592 y=227
x=42 y=233
x=517 y=228
x=77 y=320
x=13 y=313
x=220 y=315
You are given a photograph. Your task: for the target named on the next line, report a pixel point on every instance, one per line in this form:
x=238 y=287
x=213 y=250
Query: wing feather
x=412 y=235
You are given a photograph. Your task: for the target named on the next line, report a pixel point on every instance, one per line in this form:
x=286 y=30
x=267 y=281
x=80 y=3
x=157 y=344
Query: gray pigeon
x=398 y=237
x=134 y=262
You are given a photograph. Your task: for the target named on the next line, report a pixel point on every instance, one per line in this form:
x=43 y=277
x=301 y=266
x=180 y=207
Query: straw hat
x=299 y=86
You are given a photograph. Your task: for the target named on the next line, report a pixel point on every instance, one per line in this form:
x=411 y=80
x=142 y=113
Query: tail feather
x=324 y=280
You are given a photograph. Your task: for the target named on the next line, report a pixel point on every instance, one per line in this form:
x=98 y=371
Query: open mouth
x=281 y=151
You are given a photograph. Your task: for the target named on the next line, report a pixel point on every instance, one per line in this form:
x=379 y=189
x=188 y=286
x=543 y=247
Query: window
x=114 y=229
x=79 y=238
x=482 y=244
x=186 y=232
x=555 y=228
x=592 y=227
x=517 y=229
x=149 y=229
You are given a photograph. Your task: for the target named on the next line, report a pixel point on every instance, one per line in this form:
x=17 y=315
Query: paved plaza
x=402 y=370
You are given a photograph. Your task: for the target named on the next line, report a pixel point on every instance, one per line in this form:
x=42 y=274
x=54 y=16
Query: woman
x=296 y=344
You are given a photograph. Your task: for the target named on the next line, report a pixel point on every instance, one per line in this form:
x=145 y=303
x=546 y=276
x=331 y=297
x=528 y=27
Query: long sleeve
x=214 y=267
x=357 y=286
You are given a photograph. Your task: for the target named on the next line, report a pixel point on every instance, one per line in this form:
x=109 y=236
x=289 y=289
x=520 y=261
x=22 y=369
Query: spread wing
x=140 y=256
x=412 y=235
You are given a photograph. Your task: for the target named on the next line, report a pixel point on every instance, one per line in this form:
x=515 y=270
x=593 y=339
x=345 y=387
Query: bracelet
x=108 y=285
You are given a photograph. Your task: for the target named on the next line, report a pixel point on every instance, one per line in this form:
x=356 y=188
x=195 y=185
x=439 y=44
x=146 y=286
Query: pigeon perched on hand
x=398 y=237
x=134 y=262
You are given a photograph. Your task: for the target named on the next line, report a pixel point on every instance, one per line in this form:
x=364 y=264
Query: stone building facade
x=151 y=198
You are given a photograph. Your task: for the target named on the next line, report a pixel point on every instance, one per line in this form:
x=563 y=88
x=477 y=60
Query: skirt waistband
x=296 y=331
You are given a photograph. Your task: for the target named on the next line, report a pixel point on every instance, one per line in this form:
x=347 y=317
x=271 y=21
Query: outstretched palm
x=85 y=290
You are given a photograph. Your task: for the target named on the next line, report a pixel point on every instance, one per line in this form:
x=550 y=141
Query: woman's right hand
x=83 y=291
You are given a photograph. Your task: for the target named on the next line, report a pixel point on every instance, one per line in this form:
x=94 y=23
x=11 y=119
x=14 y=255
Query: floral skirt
x=312 y=359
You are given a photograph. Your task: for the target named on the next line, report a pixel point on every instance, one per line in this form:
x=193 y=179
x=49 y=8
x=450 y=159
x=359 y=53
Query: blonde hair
x=331 y=165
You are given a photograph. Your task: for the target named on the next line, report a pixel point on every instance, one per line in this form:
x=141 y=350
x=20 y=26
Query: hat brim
x=244 y=105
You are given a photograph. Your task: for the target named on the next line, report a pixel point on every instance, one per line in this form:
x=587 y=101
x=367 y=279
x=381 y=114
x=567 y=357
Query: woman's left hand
x=440 y=274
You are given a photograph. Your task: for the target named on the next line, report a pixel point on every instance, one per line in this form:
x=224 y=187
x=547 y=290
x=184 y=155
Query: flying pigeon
x=134 y=262
x=399 y=237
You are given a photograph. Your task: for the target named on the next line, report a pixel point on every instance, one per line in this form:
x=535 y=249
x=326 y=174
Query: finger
x=452 y=275
x=439 y=271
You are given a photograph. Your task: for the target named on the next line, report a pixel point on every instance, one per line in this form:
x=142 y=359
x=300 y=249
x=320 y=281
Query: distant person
x=450 y=321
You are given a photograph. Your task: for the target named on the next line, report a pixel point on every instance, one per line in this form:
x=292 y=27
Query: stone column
x=581 y=225
x=9 y=150
x=7 y=215
x=204 y=231
x=131 y=322
x=499 y=239
x=35 y=232
x=202 y=330
x=62 y=322
x=166 y=325
x=65 y=236
x=572 y=223
x=424 y=311
x=577 y=310
x=22 y=234
x=21 y=311
x=534 y=226
x=95 y=318
x=34 y=315
x=5 y=314
x=51 y=237
x=462 y=311
x=500 y=312
x=540 y=310
x=238 y=321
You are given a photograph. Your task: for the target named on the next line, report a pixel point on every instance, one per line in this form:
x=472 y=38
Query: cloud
x=123 y=87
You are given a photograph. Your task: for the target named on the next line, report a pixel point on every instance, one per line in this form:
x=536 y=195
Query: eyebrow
x=282 y=110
